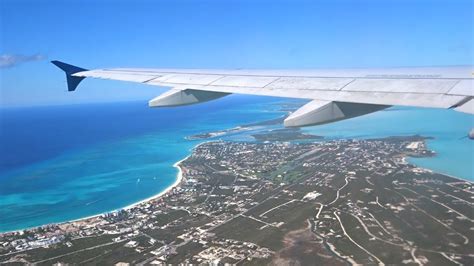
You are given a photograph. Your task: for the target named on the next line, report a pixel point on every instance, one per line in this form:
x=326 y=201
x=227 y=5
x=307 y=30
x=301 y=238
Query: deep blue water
x=67 y=162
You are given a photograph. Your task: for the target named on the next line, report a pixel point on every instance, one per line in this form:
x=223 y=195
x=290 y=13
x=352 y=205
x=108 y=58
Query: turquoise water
x=59 y=165
x=454 y=151
x=64 y=163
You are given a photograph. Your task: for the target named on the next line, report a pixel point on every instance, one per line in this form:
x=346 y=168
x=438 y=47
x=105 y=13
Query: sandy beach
x=179 y=178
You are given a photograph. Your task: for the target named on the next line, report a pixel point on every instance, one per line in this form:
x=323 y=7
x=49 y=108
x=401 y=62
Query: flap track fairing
x=178 y=97
x=319 y=112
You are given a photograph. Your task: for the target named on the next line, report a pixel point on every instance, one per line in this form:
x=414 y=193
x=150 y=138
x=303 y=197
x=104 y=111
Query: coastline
x=179 y=179
x=438 y=172
x=176 y=183
x=420 y=164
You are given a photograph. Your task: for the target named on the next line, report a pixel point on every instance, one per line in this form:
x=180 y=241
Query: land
x=278 y=134
x=278 y=203
x=285 y=134
x=238 y=129
x=219 y=133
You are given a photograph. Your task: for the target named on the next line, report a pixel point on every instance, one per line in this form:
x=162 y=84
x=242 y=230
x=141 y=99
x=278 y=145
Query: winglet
x=72 y=81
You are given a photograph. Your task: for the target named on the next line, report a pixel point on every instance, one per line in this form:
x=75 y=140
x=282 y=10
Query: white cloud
x=8 y=60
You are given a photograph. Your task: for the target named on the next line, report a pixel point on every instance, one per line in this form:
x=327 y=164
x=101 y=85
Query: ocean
x=62 y=163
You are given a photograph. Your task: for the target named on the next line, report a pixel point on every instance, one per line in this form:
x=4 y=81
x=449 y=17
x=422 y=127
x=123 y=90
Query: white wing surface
x=335 y=93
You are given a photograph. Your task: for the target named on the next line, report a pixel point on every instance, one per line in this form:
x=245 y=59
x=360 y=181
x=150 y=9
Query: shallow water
x=68 y=162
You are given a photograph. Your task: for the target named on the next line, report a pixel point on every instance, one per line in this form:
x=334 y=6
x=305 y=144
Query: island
x=333 y=202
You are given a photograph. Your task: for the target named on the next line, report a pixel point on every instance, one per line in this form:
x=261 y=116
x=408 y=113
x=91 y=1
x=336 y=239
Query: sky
x=216 y=34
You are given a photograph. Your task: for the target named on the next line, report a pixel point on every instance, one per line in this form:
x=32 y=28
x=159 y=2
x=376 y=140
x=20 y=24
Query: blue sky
x=217 y=34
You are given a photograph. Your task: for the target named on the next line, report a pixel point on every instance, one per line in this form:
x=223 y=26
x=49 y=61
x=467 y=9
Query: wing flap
x=381 y=98
x=464 y=87
x=403 y=99
x=320 y=84
x=402 y=85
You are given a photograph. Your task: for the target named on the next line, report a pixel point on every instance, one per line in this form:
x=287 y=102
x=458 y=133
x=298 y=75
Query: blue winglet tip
x=72 y=81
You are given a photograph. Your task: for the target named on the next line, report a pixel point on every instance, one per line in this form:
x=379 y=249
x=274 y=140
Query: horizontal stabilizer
x=72 y=81
x=178 y=97
x=319 y=112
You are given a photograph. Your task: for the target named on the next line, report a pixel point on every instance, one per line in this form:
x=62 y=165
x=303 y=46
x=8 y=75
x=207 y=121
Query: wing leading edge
x=335 y=94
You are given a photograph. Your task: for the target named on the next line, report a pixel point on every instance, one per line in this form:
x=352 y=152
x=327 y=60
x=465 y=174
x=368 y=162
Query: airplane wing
x=336 y=94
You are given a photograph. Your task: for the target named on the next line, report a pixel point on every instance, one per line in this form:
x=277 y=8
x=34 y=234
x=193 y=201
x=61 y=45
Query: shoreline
x=438 y=172
x=177 y=182
x=410 y=161
x=179 y=179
